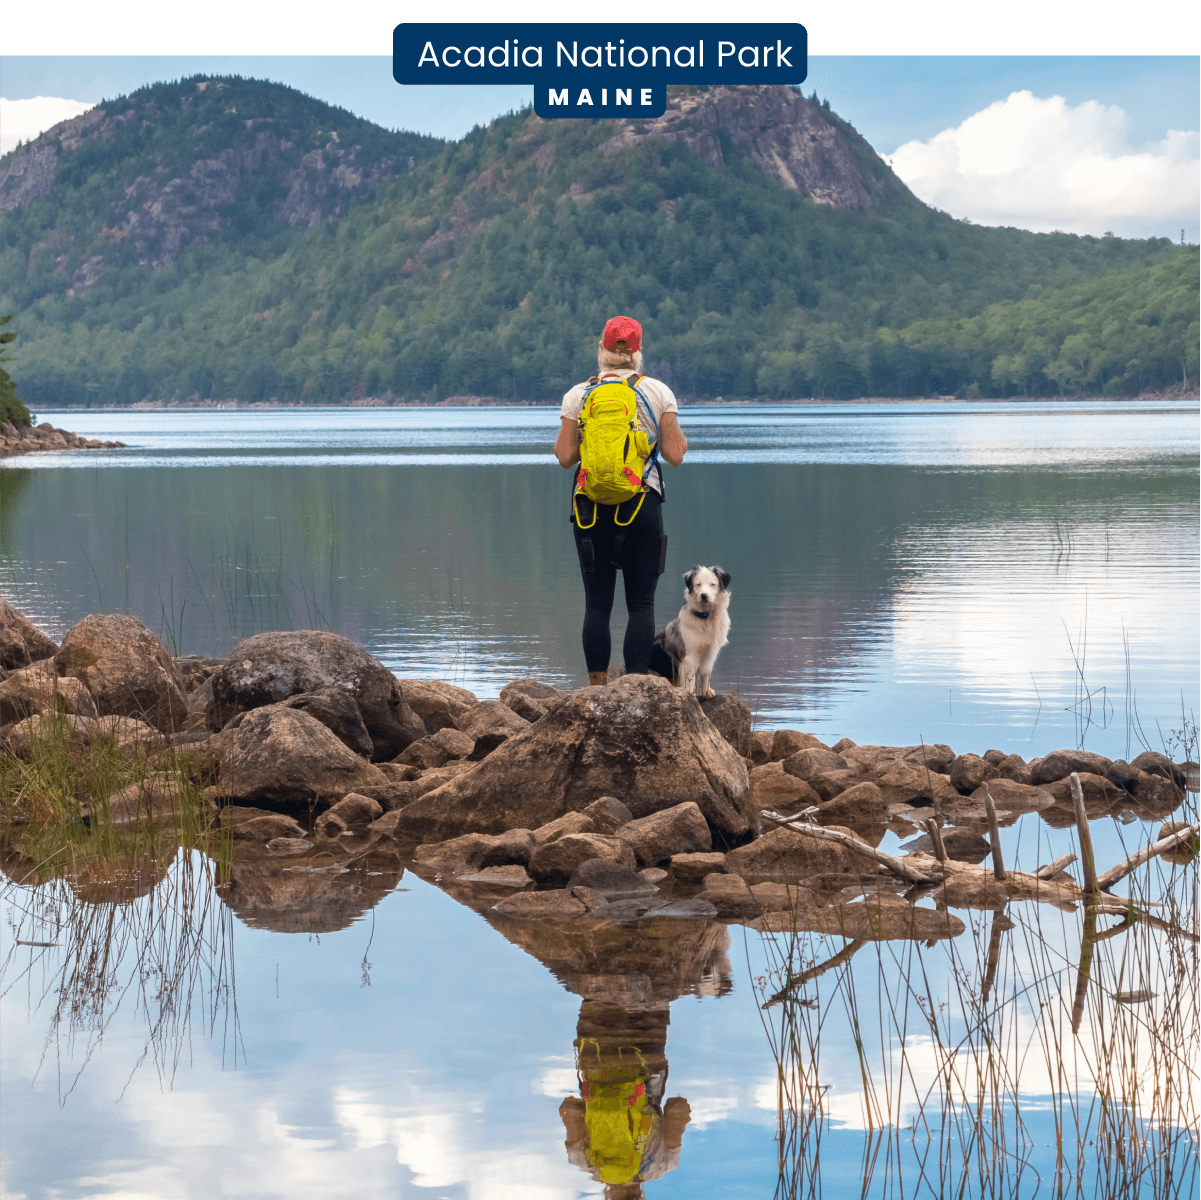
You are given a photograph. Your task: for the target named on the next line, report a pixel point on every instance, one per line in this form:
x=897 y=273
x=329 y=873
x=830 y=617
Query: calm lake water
x=1019 y=576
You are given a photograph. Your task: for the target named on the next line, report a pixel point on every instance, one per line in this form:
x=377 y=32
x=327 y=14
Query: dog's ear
x=723 y=578
x=689 y=576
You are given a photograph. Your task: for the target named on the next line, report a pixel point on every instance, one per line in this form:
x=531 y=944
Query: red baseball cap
x=622 y=329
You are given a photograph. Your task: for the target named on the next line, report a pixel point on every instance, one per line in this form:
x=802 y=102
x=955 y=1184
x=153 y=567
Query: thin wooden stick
x=994 y=835
x=1106 y=881
x=933 y=828
x=896 y=865
x=1060 y=864
x=1087 y=861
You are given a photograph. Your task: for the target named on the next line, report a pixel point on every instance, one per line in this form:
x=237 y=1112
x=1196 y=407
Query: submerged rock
x=639 y=740
x=126 y=669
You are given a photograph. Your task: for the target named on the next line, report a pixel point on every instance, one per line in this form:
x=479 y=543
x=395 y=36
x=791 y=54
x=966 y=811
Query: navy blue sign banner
x=599 y=70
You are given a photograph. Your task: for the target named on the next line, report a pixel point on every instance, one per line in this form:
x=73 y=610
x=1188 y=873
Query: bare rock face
x=678 y=830
x=435 y=702
x=37 y=688
x=1059 y=764
x=789 y=138
x=283 y=756
x=270 y=667
x=126 y=669
x=731 y=718
x=639 y=740
x=338 y=712
x=21 y=642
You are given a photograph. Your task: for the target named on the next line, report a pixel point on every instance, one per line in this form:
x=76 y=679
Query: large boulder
x=861 y=807
x=126 y=669
x=270 y=667
x=639 y=740
x=283 y=756
x=808 y=764
x=435 y=702
x=731 y=718
x=1059 y=764
x=37 y=688
x=786 y=742
x=906 y=782
x=21 y=642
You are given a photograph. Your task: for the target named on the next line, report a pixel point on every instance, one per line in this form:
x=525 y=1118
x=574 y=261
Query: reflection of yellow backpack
x=616 y=455
x=619 y=1127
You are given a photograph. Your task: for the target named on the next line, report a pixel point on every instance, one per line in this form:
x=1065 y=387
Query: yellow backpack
x=616 y=455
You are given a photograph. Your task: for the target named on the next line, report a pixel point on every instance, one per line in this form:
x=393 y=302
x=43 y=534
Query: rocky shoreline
x=30 y=439
x=619 y=803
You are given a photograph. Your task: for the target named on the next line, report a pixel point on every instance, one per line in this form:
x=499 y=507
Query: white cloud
x=1042 y=165
x=21 y=120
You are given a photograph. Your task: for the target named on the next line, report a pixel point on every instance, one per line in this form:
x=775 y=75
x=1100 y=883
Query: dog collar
x=704 y=616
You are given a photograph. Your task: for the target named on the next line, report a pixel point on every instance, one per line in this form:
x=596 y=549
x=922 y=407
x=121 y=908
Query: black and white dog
x=687 y=649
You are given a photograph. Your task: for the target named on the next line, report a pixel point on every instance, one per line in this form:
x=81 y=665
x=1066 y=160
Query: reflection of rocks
x=319 y=893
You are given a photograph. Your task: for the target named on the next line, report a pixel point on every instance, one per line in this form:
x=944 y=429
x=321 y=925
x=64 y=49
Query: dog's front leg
x=688 y=675
x=702 y=684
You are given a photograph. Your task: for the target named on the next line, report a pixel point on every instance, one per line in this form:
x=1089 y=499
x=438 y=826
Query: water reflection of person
x=619 y=1128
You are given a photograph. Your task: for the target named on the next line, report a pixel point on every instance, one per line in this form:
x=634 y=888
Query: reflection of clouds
x=557 y=1081
x=431 y=1145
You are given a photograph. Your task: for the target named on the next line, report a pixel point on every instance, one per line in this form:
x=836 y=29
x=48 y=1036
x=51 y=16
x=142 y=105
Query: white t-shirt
x=660 y=397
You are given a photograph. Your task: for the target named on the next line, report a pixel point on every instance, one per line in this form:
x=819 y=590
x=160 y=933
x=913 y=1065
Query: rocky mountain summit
x=176 y=164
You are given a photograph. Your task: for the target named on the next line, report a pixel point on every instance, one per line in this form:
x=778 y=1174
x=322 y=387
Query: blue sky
x=1087 y=144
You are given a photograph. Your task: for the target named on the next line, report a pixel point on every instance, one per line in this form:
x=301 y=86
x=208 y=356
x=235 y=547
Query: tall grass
x=1041 y=1052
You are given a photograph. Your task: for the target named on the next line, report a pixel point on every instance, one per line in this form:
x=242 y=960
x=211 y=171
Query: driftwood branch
x=1087 y=862
x=933 y=828
x=1052 y=868
x=994 y=836
x=1135 y=861
x=896 y=865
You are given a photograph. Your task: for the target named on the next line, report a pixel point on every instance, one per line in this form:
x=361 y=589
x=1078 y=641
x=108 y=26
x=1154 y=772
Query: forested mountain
x=223 y=238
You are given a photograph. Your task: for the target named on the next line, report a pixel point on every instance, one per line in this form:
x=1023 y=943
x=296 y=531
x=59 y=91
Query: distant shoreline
x=1192 y=395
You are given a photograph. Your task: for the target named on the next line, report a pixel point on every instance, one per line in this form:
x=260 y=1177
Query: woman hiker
x=617 y=425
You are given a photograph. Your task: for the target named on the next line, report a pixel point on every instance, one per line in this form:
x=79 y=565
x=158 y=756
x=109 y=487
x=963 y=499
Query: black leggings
x=641 y=555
